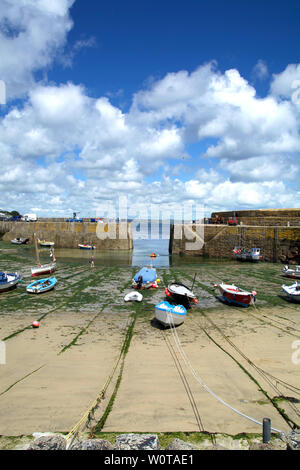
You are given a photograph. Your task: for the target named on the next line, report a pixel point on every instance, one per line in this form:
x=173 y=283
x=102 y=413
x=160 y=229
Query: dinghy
x=45 y=243
x=289 y=272
x=170 y=315
x=144 y=278
x=86 y=247
x=20 y=241
x=8 y=281
x=43 y=285
x=251 y=255
x=235 y=295
x=133 y=297
x=181 y=294
x=292 y=292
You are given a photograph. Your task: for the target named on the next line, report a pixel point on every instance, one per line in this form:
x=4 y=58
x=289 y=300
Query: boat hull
x=12 y=282
x=42 y=270
x=235 y=297
x=170 y=315
x=42 y=286
x=181 y=294
x=85 y=247
x=292 y=292
x=144 y=279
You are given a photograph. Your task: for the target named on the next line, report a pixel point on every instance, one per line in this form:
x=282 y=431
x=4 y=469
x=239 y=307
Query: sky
x=161 y=106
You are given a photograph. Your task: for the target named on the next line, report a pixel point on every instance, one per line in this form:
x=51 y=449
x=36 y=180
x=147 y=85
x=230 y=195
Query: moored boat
x=251 y=255
x=235 y=295
x=43 y=285
x=20 y=241
x=181 y=294
x=43 y=269
x=145 y=278
x=86 y=247
x=45 y=243
x=8 y=281
x=292 y=292
x=290 y=272
x=170 y=315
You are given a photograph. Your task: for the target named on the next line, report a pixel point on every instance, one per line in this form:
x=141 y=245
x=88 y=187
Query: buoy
x=158 y=281
x=195 y=301
x=254 y=293
x=35 y=324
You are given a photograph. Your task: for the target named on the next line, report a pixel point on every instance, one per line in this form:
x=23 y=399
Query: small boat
x=235 y=295
x=8 y=281
x=153 y=255
x=293 y=291
x=45 y=243
x=133 y=296
x=43 y=269
x=251 y=255
x=144 y=278
x=43 y=285
x=170 y=315
x=86 y=247
x=20 y=241
x=289 y=272
x=181 y=293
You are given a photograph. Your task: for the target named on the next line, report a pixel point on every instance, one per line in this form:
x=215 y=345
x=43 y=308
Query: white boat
x=293 y=291
x=290 y=272
x=8 y=281
x=251 y=255
x=41 y=286
x=20 y=241
x=133 y=296
x=170 y=315
x=42 y=269
x=86 y=247
x=181 y=294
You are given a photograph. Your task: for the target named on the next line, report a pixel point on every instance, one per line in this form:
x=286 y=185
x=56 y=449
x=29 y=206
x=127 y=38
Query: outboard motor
x=140 y=282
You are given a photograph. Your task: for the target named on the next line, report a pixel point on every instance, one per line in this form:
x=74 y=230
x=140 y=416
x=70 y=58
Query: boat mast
x=37 y=251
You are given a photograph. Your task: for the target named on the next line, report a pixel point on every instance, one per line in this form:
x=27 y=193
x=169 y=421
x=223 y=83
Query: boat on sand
x=292 y=292
x=235 y=295
x=144 y=279
x=181 y=294
x=8 y=281
x=43 y=285
x=170 y=315
x=290 y=272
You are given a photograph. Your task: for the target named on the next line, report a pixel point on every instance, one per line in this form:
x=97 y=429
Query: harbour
x=89 y=338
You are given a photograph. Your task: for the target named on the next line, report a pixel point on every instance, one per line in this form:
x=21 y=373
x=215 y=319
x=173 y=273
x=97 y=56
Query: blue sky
x=165 y=103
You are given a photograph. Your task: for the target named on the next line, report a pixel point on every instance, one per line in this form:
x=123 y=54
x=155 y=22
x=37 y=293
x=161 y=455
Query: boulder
x=291 y=439
x=137 y=442
x=92 y=444
x=48 y=443
x=178 y=444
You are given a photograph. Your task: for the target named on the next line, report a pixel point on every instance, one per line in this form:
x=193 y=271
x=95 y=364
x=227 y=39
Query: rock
x=275 y=444
x=48 y=443
x=92 y=444
x=291 y=439
x=137 y=442
x=178 y=444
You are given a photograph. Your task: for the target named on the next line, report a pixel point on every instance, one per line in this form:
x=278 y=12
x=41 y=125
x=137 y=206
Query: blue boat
x=144 y=278
x=43 y=285
x=170 y=315
x=8 y=281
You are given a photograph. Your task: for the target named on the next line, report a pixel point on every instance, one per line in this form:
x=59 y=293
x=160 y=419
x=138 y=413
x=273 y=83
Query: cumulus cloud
x=62 y=149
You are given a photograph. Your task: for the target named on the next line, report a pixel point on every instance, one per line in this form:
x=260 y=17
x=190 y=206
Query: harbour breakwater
x=112 y=236
x=275 y=232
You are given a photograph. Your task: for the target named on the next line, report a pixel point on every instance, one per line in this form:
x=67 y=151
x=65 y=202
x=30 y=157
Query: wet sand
x=54 y=373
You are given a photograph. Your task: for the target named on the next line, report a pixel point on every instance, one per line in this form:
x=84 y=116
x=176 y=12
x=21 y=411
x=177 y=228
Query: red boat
x=235 y=295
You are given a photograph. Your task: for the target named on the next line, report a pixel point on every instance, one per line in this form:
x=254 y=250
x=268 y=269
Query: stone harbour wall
x=70 y=234
x=277 y=243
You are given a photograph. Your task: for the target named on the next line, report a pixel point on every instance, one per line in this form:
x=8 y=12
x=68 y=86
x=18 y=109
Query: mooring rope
x=200 y=381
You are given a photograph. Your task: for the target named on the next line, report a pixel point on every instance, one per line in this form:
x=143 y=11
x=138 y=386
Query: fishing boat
x=181 y=294
x=43 y=269
x=8 y=281
x=86 y=247
x=45 y=243
x=292 y=292
x=290 y=272
x=235 y=295
x=133 y=297
x=144 y=279
x=170 y=315
x=20 y=241
x=251 y=255
x=43 y=285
